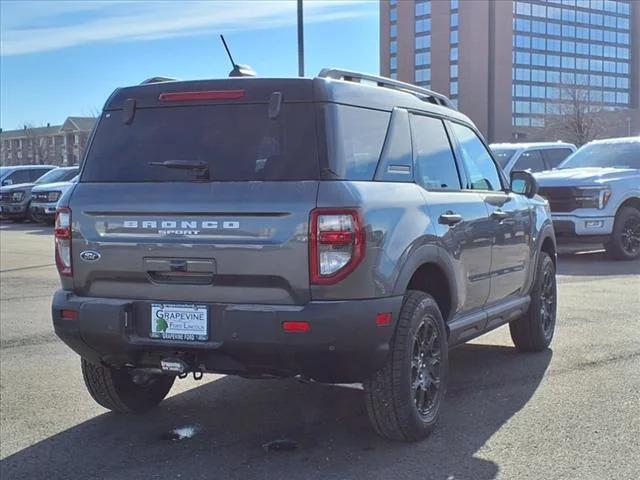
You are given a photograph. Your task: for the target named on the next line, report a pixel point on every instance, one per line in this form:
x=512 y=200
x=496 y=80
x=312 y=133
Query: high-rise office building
x=515 y=66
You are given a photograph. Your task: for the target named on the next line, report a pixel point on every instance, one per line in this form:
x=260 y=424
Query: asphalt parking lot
x=572 y=412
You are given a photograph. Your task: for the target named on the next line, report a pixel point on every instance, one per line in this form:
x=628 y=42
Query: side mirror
x=524 y=183
x=8 y=181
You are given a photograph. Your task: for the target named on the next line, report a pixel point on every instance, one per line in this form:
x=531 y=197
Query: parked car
x=533 y=157
x=16 y=198
x=44 y=200
x=22 y=173
x=595 y=196
x=351 y=231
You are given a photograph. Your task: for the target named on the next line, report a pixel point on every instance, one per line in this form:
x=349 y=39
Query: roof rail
x=422 y=93
x=157 y=80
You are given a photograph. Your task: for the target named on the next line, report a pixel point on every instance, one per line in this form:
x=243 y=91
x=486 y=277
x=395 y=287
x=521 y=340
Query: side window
x=36 y=173
x=354 y=140
x=21 y=176
x=435 y=165
x=483 y=173
x=530 y=160
x=555 y=156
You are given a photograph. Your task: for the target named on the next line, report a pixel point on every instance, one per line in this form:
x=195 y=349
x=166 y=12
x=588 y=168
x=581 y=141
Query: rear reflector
x=299 y=327
x=204 y=95
x=383 y=319
x=69 y=314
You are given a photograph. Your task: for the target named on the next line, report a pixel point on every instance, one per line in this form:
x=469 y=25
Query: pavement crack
x=32 y=267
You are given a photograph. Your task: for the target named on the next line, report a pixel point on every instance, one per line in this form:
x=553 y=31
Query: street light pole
x=300 y=41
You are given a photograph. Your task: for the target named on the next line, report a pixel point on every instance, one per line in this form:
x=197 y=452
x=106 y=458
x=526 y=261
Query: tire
x=115 y=390
x=392 y=395
x=533 y=331
x=624 y=243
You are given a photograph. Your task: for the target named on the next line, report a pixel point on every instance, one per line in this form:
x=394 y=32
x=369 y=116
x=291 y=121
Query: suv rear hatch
x=199 y=191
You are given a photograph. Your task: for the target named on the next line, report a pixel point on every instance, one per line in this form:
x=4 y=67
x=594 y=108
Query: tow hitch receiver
x=174 y=365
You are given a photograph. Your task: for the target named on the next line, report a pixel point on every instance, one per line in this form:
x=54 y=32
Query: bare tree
x=577 y=118
x=37 y=146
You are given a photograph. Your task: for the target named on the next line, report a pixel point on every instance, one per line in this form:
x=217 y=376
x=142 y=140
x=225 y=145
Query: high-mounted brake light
x=336 y=244
x=62 y=233
x=204 y=95
x=296 y=327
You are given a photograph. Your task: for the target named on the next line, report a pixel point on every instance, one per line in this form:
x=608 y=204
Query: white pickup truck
x=595 y=196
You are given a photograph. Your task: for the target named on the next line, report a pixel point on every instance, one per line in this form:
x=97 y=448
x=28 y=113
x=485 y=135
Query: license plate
x=184 y=322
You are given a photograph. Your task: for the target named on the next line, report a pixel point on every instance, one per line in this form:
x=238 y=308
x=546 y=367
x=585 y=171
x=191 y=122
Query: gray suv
x=345 y=228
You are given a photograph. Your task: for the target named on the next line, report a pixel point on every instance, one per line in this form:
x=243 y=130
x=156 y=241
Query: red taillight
x=204 y=95
x=62 y=234
x=383 y=319
x=69 y=314
x=298 y=327
x=336 y=244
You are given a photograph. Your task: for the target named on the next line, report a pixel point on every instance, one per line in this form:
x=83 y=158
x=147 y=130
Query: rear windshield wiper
x=201 y=168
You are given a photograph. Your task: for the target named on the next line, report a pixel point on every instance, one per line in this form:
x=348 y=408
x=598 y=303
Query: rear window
x=236 y=143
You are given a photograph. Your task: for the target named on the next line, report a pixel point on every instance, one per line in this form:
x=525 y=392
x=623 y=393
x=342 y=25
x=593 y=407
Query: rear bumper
x=344 y=344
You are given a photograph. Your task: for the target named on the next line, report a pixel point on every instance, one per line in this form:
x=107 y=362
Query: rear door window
x=354 y=140
x=234 y=143
x=555 y=156
x=531 y=161
x=435 y=165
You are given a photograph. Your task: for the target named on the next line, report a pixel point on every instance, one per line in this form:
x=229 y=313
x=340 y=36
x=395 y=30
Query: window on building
x=454 y=20
x=423 y=25
x=423 y=58
x=423 y=8
x=393 y=63
x=453 y=71
x=453 y=56
x=393 y=47
x=393 y=14
x=393 y=31
x=622 y=98
x=453 y=88
x=423 y=75
x=423 y=41
x=453 y=37
x=537 y=75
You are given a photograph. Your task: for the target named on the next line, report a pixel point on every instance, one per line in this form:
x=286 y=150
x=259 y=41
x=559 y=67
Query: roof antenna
x=238 y=70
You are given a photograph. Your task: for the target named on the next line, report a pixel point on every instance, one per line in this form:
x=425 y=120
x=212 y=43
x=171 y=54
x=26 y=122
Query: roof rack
x=157 y=80
x=422 y=93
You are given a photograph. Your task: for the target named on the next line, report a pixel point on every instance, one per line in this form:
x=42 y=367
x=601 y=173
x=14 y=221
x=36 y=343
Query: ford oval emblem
x=90 y=256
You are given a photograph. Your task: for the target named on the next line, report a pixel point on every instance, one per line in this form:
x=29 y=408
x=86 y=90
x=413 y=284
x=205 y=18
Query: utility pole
x=300 y=41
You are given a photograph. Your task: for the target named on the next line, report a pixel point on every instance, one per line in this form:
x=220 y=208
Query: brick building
x=50 y=145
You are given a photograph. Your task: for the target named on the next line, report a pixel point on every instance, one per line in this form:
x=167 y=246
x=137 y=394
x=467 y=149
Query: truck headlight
x=593 y=197
x=17 y=196
x=53 y=196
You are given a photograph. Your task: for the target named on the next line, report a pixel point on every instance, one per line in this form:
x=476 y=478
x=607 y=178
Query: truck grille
x=561 y=199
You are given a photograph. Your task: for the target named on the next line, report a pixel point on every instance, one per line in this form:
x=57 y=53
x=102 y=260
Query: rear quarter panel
x=397 y=222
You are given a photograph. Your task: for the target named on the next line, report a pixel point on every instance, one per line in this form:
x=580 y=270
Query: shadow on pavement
x=26 y=227
x=595 y=263
x=234 y=417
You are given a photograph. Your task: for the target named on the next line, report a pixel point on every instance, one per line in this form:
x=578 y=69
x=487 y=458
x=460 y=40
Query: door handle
x=499 y=215
x=449 y=218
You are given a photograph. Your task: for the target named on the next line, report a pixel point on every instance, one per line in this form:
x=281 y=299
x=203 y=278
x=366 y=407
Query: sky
x=64 y=58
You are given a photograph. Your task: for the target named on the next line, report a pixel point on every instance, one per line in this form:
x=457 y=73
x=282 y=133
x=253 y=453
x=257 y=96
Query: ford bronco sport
x=345 y=228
